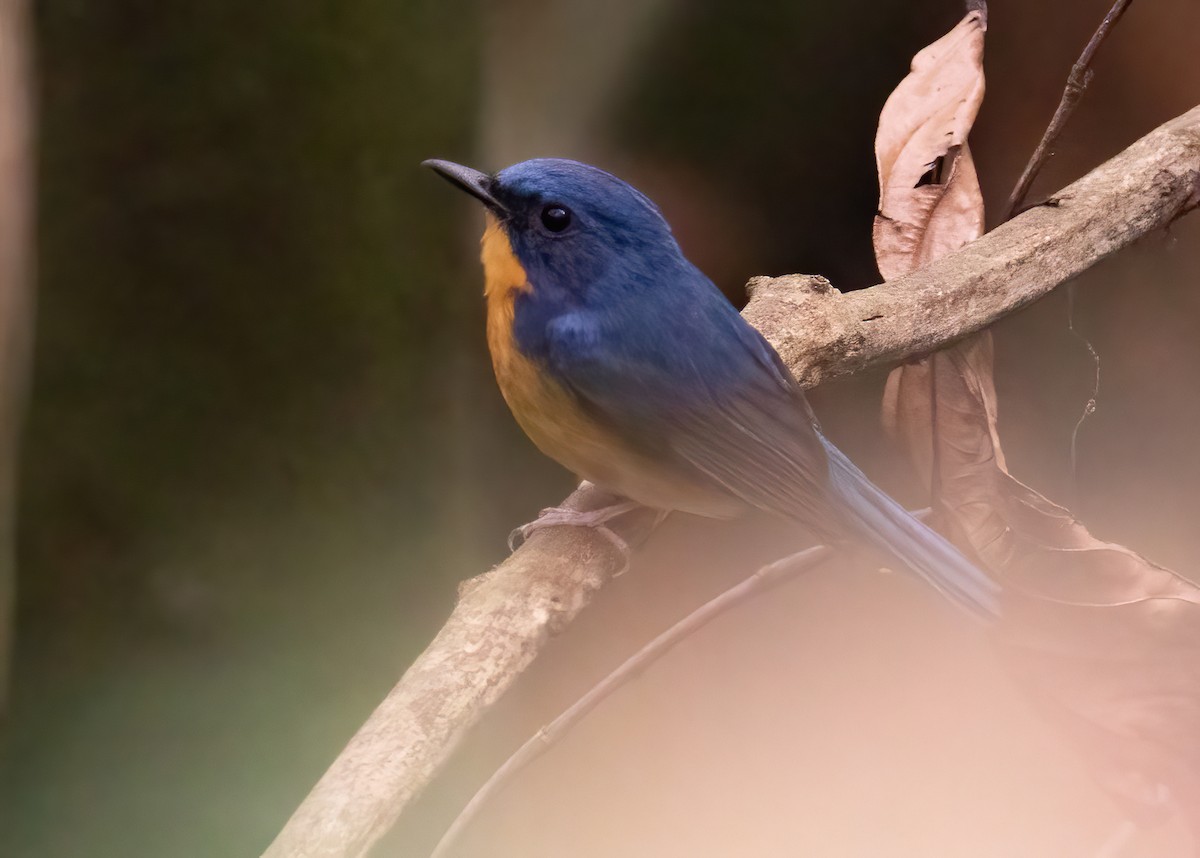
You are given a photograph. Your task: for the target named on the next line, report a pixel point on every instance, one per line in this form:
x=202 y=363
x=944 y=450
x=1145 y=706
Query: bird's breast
x=551 y=415
x=548 y=413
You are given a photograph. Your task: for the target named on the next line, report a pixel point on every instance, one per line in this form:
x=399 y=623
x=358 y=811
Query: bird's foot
x=597 y=519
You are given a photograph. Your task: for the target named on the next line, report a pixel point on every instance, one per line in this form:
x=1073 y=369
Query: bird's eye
x=556 y=218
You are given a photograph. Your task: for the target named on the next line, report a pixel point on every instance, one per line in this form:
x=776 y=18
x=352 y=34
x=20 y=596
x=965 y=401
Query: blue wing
x=696 y=388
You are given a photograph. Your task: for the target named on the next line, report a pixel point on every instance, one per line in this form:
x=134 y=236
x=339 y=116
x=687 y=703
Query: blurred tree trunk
x=16 y=299
x=553 y=71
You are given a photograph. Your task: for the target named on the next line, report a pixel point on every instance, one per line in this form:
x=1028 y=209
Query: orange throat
x=503 y=280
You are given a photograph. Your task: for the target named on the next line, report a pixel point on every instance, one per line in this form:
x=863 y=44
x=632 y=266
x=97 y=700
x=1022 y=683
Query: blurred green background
x=263 y=444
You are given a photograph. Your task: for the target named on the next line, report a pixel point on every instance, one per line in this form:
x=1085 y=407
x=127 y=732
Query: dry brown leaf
x=929 y=201
x=1107 y=643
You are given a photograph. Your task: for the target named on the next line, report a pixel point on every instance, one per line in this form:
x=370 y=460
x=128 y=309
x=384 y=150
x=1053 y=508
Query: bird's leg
x=597 y=519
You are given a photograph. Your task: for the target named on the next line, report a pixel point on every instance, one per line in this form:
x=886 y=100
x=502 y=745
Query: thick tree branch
x=822 y=334
x=504 y=617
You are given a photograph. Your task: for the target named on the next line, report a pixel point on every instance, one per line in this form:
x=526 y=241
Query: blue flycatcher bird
x=624 y=363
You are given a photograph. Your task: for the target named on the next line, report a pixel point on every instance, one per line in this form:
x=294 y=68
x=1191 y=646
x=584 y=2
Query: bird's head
x=569 y=225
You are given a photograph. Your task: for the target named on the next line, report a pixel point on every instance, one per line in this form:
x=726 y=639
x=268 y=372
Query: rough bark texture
x=502 y=619
x=505 y=616
x=822 y=334
x=16 y=297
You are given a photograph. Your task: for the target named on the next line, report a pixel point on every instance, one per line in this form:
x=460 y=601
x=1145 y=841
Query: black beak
x=475 y=183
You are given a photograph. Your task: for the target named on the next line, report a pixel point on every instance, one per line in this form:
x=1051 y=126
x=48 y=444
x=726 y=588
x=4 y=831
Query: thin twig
x=768 y=576
x=1077 y=81
x=1089 y=407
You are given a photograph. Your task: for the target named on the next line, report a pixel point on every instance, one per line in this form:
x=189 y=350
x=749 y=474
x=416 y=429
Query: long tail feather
x=889 y=527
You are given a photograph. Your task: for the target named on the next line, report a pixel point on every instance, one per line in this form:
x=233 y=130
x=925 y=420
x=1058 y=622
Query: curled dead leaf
x=1106 y=642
